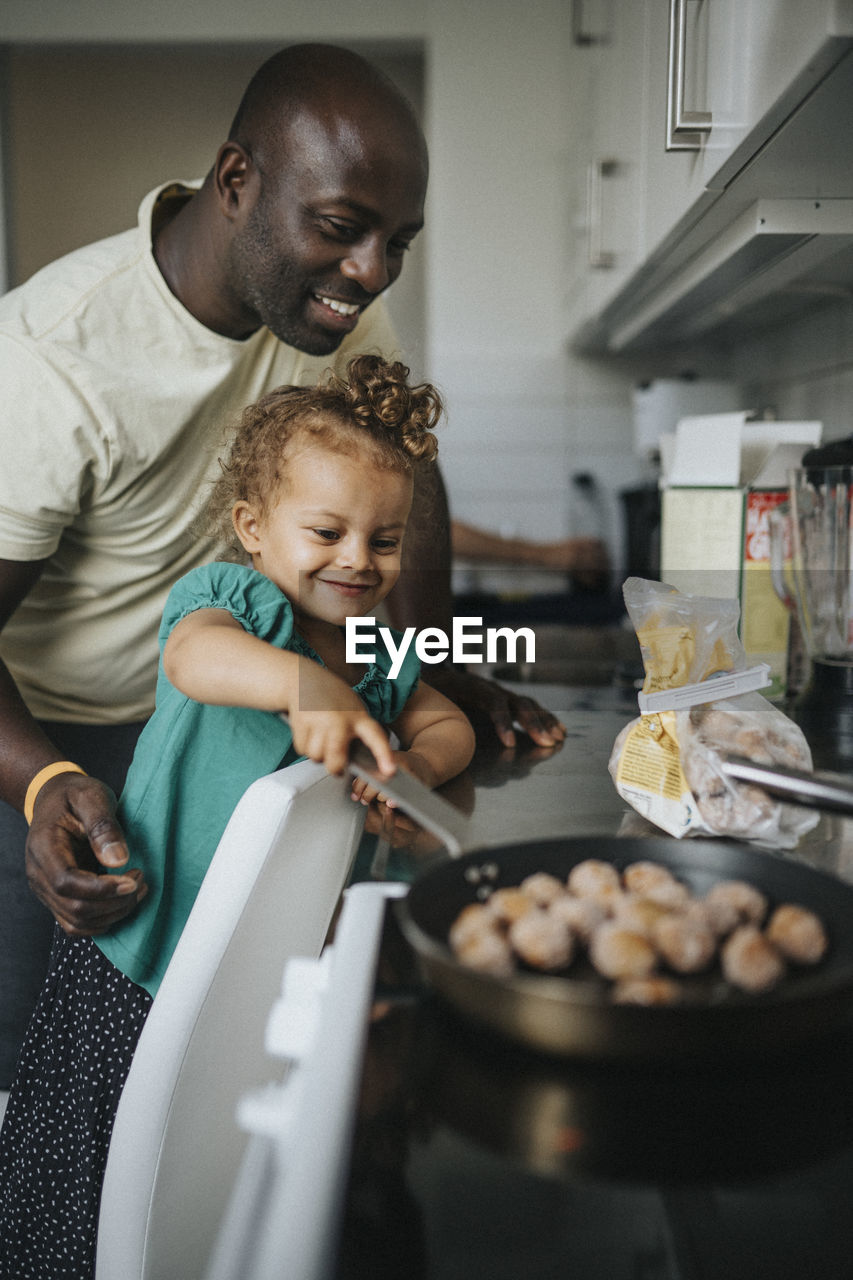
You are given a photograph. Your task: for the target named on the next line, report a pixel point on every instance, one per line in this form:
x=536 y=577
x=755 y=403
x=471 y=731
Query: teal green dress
x=193 y=762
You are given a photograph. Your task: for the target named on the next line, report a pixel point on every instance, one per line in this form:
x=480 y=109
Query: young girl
x=316 y=492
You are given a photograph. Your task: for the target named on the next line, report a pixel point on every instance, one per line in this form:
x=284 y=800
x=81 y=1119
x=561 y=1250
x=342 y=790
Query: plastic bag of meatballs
x=666 y=763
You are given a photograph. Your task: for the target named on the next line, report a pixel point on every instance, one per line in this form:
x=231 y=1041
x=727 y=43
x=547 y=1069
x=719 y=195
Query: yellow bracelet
x=44 y=775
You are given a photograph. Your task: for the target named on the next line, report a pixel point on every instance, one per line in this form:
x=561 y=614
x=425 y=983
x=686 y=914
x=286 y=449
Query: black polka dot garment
x=56 y=1132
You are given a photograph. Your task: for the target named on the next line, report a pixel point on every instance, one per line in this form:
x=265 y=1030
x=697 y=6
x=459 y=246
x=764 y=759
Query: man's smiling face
x=329 y=228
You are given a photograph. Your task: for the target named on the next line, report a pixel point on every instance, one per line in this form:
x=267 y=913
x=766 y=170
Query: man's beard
x=276 y=290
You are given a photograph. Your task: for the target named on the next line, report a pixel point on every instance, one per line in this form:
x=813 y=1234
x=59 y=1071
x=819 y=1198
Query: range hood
x=769 y=237
x=774 y=246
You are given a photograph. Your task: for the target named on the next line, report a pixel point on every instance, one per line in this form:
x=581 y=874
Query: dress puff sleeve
x=253 y=599
x=385 y=697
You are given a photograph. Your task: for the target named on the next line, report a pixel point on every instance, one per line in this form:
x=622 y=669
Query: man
x=120 y=364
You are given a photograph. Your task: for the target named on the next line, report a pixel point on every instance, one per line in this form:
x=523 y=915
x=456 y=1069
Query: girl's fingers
x=329 y=741
x=374 y=736
x=362 y=791
x=336 y=755
x=368 y=796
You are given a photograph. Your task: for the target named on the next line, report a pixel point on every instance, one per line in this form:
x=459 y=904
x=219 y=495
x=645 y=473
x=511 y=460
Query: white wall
x=803 y=368
x=500 y=115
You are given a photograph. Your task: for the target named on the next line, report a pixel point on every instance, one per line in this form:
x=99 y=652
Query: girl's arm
x=437 y=738
x=211 y=658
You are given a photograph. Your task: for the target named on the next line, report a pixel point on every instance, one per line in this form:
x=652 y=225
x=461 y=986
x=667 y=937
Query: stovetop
x=475 y=1157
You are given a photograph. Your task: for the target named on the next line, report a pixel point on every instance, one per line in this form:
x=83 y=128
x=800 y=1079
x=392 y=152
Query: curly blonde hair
x=371 y=409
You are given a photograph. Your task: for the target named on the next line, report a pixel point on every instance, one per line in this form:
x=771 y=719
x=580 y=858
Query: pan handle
x=829 y=791
x=433 y=813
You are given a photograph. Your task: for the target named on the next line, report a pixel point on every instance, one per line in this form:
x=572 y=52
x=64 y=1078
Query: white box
x=723 y=476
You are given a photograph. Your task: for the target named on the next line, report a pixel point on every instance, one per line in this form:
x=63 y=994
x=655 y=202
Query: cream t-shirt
x=116 y=405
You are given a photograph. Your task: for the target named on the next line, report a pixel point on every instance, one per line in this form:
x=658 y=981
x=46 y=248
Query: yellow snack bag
x=666 y=763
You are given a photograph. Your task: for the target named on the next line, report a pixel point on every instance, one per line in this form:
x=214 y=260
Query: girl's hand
x=326 y=734
x=410 y=762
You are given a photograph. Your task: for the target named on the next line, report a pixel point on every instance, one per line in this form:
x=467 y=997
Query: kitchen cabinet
x=763 y=57
x=633 y=189
x=672 y=164
x=608 y=245
x=715 y=105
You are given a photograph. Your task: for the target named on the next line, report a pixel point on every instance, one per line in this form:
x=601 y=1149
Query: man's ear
x=246 y=526
x=233 y=174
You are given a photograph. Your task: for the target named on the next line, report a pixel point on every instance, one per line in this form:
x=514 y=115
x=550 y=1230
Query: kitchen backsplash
x=803 y=369
x=543 y=432
x=516 y=436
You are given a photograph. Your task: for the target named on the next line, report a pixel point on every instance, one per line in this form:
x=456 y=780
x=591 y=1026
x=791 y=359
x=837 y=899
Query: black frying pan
x=574 y=1015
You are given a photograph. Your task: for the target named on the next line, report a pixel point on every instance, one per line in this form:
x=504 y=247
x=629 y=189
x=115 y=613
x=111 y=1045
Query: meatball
x=750 y=961
x=621 y=953
x=797 y=933
x=542 y=940
x=640 y=877
x=671 y=894
x=506 y=905
x=639 y=914
x=646 y=991
x=734 y=902
x=582 y=915
x=472 y=920
x=593 y=878
x=488 y=952
x=542 y=888
x=685 y=943
x=655 y=883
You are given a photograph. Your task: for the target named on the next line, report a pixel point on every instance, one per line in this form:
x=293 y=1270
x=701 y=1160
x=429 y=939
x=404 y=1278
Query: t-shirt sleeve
x=52 y=452
x=254 y=600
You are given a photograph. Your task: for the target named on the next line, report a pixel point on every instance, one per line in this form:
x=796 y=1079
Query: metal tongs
x=824 y=791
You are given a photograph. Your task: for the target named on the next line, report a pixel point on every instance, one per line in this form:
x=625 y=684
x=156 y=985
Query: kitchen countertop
x=513 y=794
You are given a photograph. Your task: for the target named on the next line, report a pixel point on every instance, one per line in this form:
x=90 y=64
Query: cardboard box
x=722 y=476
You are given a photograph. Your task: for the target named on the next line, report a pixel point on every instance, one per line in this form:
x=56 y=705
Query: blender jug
x=817 y=578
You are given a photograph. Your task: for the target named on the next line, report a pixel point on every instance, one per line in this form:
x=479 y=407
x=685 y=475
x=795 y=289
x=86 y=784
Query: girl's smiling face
x=333 y=538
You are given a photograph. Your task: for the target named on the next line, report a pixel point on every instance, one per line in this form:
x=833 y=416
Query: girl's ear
x=246 y=526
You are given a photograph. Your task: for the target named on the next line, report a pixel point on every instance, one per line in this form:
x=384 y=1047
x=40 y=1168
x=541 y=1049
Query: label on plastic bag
x=649 y=775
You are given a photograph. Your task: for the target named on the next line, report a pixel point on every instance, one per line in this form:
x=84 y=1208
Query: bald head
x=311 y=204
x=328 y=83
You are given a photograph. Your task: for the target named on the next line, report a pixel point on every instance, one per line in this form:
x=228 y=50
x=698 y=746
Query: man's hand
x=479 y=697
x=73 y=834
